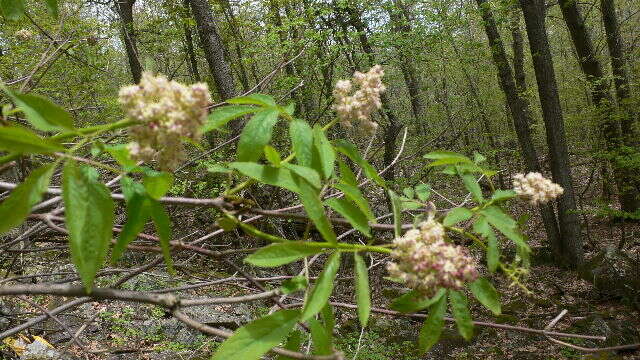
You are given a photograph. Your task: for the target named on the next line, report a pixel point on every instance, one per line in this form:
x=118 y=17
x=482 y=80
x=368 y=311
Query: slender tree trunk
x=125 y=10
x=534 y=15
x=517 y=47
x=213 y=49
x=214 y=52
x=233 y=25
x=611 y=130
x=520 y=114
x=621 y=77
x=191 y=54
x=401 y=24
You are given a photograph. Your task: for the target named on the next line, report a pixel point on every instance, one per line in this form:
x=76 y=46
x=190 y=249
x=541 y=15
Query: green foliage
x=21 y=140
x=432 y=327
x=253 y=340
x=322 y=289
x=460 y=309
x=486 y=294
x=281 y=254
x=89 y=212
x=363 y=295
x=15 y=209
x=256 y=134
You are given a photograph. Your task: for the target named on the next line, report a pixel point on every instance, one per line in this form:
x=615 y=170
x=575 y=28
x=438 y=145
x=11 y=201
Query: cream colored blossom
x=23 y=34
x=365 y=100
x=535 y=188
x=425 y=262
x=167 y=111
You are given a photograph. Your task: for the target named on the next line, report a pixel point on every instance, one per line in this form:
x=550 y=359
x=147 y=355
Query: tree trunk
x=401 y=24
x=621 y=77
x=125 y=10
x=521 y=116
x=191 y=54
x=554 y=125
x=518 y=57
x=213 y=49
x=233 y=25
x=611 y=130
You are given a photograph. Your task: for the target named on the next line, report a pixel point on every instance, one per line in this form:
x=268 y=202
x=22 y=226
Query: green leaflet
x=267 y=174
x=89 y=213
x=354 y=194
x=255 y=99
x=162 y=223
x=414 y=301
x=52 y=7
x=21 y=140
x=281 y=253
x=40 y=112
x=460 y=309
x=310 y=198
x=157 y=183
x=272 y=155
x=432 y=327
x=253 y=340
x=352 y=153
x=320 y=293
x=472 y=185
x=346 y=174
x=302 y=141
x=423 y=191
x=352 y=213
x=457 y=215
x=137 y=215
x=256 y=134
x=505 y=224
x=293 y=344
x=306 y=173
x=321 y=339
x=221 y=116
x=15 y=209
x=363 y=296
x=486 y=294
x=324 y=150
x=12 y=9
x=396 y=207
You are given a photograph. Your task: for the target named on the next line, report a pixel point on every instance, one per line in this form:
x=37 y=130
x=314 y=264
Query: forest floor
x=119 y=331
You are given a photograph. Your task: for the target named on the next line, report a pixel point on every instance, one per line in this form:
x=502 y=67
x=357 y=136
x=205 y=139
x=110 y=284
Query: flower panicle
x=425 y=262
x=167 y=111
x=535 y=188
x=23 y=34
x=363 y=102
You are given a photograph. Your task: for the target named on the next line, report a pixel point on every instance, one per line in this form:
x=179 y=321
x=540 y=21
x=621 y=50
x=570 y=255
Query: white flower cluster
x=23 y=34
x=167 y=111
x=535 y=188
x=363 y=102
x=425 y=262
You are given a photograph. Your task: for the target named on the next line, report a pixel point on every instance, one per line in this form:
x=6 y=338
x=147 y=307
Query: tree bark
x=125 y=11
x=569 y=225
x=521 y=116
x=191 y=54
x=233 y=24
x=518 y=55
x=401 y=24
x=213 y=49
x=611 y=129
x=621 y=77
